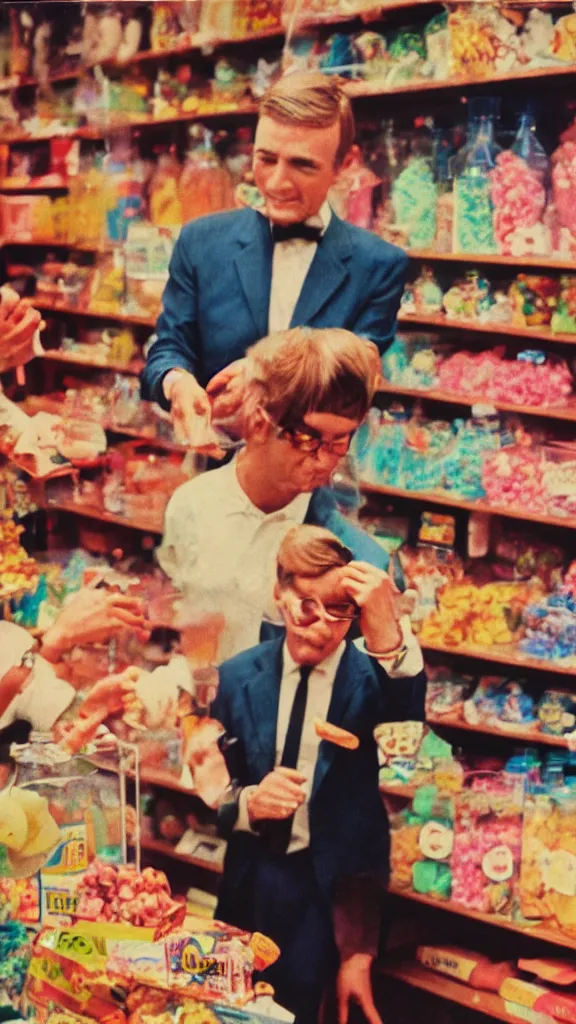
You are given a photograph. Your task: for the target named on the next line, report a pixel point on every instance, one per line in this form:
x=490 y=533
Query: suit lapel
x=254 y=268
x=327 y=273
x=345 y=686
x=262 y=692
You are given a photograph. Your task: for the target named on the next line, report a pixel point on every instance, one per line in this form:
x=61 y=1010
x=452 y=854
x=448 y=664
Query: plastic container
x=472 y=166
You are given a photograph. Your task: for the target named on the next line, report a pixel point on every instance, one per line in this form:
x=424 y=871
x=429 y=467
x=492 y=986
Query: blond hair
x=310 y=551
x=312 y=100
x=309 y=369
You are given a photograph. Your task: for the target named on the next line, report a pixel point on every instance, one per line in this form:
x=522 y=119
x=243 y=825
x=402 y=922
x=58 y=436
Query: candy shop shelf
x=165 y=850
x=533 y=736
x=86 y=132
x=121 y=318
x=438 y=320
x=542 y=262
x=58 y=243
x=440 y=985
x=56 y=356
x=555 y=412
x=359 y=89
x=468 y=506
x=532 y=931
x=32 y=188
x=504 y=654
x=88 y=512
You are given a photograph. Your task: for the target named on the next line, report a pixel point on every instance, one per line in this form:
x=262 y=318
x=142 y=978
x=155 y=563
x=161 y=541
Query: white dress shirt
x=290 y=264
x=42 y=701
x=220 y=551
x=320 y=686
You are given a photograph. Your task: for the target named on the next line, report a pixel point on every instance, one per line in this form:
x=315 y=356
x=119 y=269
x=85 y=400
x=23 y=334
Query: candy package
x=422 y=839
x=487 y=842
x=547 y=881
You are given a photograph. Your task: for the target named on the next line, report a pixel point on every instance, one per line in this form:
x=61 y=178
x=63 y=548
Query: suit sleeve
x=229 y=809
x=377 y=318
x=357 y=915
x=177 y=342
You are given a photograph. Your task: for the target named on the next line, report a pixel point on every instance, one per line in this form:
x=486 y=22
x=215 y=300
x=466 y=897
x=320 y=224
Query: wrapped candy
x=481 y=616
x=524 y=381
x=466 y=300
x=564 y=316
x=518 y=196
x=535 y=298
x=547 y=886
x=513 y=478
x=118 y=893
x=564 y=183
x=414 y=200
x=487 y=842
x=421 y=839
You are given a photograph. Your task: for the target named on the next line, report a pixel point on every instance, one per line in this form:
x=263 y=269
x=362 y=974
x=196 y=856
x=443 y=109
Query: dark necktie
x=277 y=833
x=285 y=232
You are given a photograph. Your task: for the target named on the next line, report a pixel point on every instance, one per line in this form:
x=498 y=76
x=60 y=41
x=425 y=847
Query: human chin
x=284 y=211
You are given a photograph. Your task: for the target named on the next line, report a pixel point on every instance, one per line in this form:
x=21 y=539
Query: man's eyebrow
x=303 y=161
x=266 y=152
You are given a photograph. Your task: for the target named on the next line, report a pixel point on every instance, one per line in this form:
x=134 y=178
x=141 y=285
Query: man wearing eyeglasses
x=307 y=391
x=307 y=831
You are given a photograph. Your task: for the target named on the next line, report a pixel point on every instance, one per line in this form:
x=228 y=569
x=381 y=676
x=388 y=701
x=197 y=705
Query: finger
x=227 y=404
x=211 y=451
x=135 y=604
x=368 y=1008
x=9 y=300
x=342 y=1008
x=220 y=381
x=290 y=773
x=121 y=619
x=22 y=332
x=283 y=789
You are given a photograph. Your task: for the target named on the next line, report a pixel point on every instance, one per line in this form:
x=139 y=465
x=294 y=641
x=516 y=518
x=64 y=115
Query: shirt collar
x=238 y=501
x=327 y=668
x=319 y=220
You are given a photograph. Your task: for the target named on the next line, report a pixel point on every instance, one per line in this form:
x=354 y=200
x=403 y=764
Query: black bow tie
x=284 y=232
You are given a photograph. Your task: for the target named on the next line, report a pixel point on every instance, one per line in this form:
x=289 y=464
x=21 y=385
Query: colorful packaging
x=548 y=875
x=488 y=842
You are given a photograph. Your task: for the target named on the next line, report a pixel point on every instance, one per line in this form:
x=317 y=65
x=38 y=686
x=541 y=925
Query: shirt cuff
x=409 y=662
x=243 y=819
x=169 y=380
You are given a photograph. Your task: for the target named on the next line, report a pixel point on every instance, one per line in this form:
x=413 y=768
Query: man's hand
x=19 y=323
x=226 y=391
x=92 y=617
x=376 y=595
x=112 y=695
x=192 y=415
x=278 y=796
x=354 y=984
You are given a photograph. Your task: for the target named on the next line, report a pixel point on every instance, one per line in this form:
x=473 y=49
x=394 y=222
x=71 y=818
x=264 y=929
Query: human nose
x=279 y=178
x=324 y=456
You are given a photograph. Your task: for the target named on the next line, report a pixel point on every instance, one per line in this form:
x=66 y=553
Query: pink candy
x=513 y=477
x=518 y=196
x=564 y=185
x=488 y=375
x=487 y=846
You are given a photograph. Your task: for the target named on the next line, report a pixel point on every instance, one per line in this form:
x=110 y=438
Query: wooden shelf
x=469 y=506
x=544 y=262
x=413 y=974
x=88 y=512
x=505 y=654
x=165 y=850
x=59 y=243
x=77 y=359
x=359 y=89
x=508 y=330
x=558 y=412
x=18 y=190
x=533 y=931
x=533 y=736
x=121 y=318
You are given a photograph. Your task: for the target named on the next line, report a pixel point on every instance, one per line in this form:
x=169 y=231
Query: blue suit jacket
x=217 y=298
x=348 y=823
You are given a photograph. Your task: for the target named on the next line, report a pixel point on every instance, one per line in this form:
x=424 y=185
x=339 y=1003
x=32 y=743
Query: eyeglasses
x=306 y=610
x=312 y=443
x=309 y=442
x=28 y=660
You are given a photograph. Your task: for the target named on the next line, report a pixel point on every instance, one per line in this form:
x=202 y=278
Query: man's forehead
x=327 y=587
x=293 y=139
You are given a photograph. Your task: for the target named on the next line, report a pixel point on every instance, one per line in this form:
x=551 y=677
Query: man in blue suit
x=238 y=276
x=307 y=391
x=307 y=831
